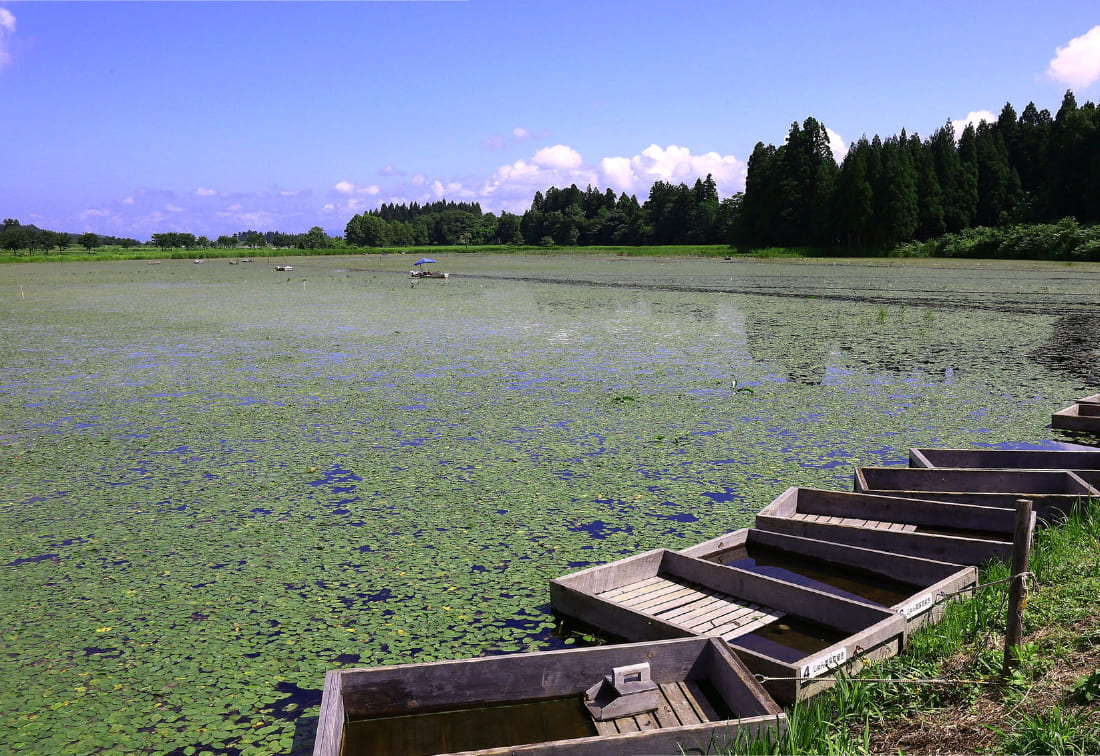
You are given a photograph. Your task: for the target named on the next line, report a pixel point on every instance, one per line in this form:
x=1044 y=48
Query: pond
x=221 y=481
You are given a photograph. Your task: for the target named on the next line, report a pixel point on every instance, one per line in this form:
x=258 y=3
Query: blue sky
x=129 y=118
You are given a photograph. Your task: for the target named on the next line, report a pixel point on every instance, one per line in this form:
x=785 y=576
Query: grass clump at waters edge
x=1039 y=708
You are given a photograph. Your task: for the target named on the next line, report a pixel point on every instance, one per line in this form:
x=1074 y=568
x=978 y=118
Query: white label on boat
x=825 y=663
x=913 y=608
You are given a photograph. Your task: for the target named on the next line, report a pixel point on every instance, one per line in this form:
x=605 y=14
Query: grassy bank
x=1049 y=704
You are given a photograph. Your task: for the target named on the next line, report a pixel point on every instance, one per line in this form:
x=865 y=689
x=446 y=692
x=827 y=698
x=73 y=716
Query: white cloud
x=558 y=156
x=675 y=164
x=347 y=187
x=836 y=145
x=1078 y=63
x=174 y=208
x=512 y=186
x=92 y=212
x=419 y=179
x=618 y=172
x=128 y=201
x=7 y=26
x=201 y=192
x=975 y=117
x=519 y=133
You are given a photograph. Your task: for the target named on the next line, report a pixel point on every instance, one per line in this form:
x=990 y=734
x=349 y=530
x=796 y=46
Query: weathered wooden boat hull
x=1084 y=416
x=662 y=594
x=1052 y=492
x=942 y=531
x=930 y=584
x=690 y=672
x=1016 y=459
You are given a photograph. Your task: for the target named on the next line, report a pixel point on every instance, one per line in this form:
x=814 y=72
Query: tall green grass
x=966 y=645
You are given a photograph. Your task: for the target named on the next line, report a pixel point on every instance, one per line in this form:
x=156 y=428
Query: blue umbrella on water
x=425 y=260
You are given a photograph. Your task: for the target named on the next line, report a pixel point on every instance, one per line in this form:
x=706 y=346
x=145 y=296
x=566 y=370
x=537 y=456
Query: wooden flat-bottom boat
x=943 y=531
x=1083 y=416
x=1053 y=493
x=534 y=704
x=918 y=589
x=1006 y=459
x=787 y=632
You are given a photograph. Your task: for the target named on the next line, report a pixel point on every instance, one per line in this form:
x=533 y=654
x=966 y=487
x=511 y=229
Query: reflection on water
x=1073 y=348
x=790 y=638
x=818 y=574
x=469 y=729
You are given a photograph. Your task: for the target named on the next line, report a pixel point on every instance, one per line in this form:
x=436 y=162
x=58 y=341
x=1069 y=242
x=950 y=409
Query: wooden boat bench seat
x=699 y=609
x=680 y=704
x=856 y=522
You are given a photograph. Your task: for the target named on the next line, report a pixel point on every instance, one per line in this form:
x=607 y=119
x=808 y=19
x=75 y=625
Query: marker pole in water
x=1017 y=590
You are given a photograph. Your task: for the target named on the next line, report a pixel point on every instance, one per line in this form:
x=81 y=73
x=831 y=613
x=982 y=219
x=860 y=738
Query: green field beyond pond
x=220 y=481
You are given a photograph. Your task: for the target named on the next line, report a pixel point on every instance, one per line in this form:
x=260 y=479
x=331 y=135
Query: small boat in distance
x=419 y=272
x=284 y=267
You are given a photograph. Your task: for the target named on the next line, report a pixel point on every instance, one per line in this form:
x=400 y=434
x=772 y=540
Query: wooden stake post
x=1017 y=592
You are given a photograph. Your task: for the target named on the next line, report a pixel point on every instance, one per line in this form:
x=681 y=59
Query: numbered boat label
x=824 y=663
x=915 y=607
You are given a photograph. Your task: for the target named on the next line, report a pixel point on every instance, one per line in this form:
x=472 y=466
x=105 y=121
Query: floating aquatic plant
x=218 y=483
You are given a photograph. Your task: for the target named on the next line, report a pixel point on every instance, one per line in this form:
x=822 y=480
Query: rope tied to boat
x=924 y=680
x=1028 y=575
x=943 y=596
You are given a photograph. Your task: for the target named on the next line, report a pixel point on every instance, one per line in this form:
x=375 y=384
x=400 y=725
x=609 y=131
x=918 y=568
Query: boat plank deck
x=700 y=610
x=678 y=703
x=854 y=522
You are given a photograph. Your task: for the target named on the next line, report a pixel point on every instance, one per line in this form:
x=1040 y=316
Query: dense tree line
x=672 y=214
x=16 y=236
x=1031 y=168
x=442 y=222
x=315 y=238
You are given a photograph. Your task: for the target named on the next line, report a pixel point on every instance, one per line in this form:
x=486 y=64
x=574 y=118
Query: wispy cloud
x=201 y=192
x=517 y=135
x=7 y=28
x=348 y=187
x=1078 y=63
